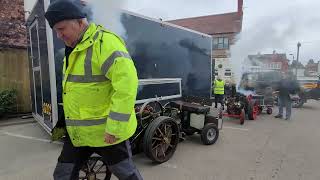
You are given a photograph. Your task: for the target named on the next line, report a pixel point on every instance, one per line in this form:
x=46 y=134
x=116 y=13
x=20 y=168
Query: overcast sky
x=267 y=25
x=274 y=24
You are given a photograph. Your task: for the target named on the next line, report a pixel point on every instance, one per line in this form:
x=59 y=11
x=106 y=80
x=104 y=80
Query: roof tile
x=12 y=24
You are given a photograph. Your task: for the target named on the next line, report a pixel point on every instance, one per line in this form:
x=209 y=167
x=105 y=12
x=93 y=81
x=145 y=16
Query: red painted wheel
x=242 y=117
x=252 y=111
x=255 y=111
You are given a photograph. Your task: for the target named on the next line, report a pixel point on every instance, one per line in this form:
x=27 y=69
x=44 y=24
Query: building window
x=279 y=65
x=273 y=65
x=227 y=72
x=221 y=43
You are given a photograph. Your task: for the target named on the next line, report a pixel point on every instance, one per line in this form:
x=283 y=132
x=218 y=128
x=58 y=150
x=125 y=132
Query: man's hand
x=110 y=139
x=58 y=133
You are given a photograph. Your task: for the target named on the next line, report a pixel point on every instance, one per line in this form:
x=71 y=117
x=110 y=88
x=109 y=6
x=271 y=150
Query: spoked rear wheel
x=161 y=139
x=95 y=169
x=149 y=111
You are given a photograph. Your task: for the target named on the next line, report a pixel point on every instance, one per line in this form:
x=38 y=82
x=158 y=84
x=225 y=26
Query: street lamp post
x=298 y=46
x=291 y=69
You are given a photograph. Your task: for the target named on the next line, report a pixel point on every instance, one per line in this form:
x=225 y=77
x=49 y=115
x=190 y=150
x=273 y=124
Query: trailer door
x=36 y=69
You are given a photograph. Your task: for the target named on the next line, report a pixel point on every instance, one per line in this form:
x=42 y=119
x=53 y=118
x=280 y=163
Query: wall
x=14 y=73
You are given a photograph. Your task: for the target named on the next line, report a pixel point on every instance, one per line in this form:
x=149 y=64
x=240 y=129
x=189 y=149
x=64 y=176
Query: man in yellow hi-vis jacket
x=218 y=88
x=99 y=91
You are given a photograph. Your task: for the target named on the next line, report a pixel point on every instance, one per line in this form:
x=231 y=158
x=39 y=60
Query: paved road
x=265 y=149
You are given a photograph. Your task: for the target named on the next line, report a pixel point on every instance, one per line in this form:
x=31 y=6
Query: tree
x=311 y=61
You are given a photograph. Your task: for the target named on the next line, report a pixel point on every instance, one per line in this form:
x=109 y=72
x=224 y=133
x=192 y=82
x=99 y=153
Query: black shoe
x=287 y=118
x=278 y=116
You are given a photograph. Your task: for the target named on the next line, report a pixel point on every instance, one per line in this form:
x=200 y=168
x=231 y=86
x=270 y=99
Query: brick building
x=267 y=62
x=312 y=68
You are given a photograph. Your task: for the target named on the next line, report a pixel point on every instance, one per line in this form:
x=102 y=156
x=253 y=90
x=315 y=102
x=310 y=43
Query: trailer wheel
x=161 y=139
x=242 y=116
x=209 y=134
x=94 y=169
x=269 y=110
x=297 y=103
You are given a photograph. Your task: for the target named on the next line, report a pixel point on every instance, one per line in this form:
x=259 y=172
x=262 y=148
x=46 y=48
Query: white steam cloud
x=108 y=14
x=273 y=32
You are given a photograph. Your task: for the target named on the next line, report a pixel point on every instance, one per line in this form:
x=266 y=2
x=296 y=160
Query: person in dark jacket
x=286 y=87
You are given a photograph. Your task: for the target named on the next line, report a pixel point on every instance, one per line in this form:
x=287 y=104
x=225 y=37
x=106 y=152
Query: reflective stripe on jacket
x=99 y=89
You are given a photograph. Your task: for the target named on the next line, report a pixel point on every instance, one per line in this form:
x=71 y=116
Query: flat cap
x=61 y=10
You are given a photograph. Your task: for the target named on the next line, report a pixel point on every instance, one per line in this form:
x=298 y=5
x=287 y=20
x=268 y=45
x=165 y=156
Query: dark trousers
x=218 y=98
x=285 y=101
x=117 y=157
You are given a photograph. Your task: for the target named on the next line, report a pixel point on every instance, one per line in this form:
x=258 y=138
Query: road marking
x=17 y=123
x=49 y=141
x=241 y=129
x=29 y=137
x=168 y=165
